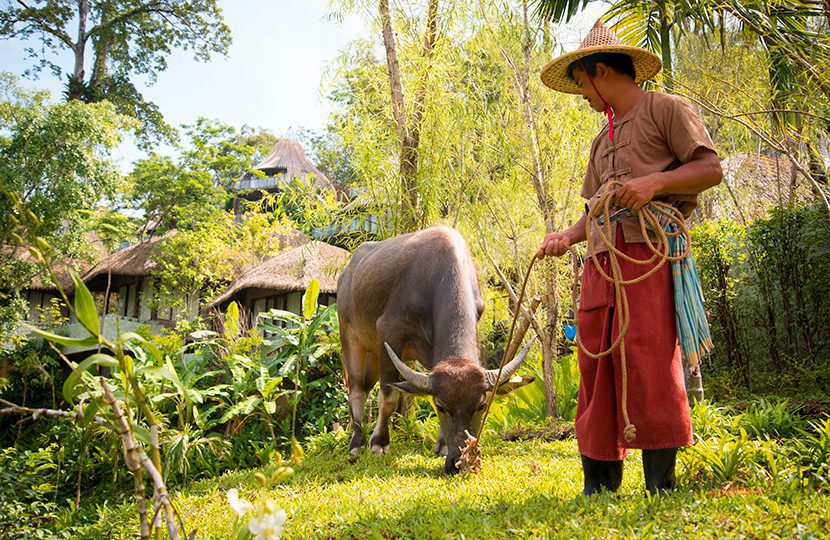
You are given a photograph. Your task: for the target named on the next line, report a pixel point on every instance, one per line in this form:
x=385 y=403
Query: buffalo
x=417 y=294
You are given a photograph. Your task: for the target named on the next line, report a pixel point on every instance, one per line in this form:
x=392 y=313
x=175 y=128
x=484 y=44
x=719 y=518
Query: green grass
x=527 y=489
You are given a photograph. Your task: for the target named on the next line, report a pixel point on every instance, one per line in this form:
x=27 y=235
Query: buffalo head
x=460 y=389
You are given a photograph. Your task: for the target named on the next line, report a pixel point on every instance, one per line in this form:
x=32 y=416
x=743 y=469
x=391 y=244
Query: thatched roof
x=136 y=260
x=62 y=269
x=289 y=240
x=286 y=161
x=63 y=266
x=752 y=185
x=292 y=271
x=132 y=261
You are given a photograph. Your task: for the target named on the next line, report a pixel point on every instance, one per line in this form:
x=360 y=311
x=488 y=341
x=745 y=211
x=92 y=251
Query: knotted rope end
x=630 y=433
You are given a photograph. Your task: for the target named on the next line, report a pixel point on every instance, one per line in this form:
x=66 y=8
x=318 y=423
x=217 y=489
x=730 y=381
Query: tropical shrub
x=527 y=404
x=767 y=292
x=767 y=419
x=27 y=503
x=305 y=351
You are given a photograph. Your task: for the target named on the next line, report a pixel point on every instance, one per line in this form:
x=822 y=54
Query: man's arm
x=557 y=243
x=699 y=174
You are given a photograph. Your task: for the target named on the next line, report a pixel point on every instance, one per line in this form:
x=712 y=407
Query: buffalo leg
x=363 y=374
x=388 y=399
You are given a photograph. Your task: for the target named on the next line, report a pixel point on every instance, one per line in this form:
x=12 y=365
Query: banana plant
x=298 y=343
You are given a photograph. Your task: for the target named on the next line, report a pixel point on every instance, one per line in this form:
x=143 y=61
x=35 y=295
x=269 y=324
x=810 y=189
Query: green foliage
x=194 y=264
x=218 y=148
x=766 y=419
x=54 y=158
x=175 y=196
x=526 y=405
x=766 y=290
x=726 y=458
x=762 y=447
x=27 y=505
x=332 y=157
x=191 y=191
x=814 y=449
x=304 y=349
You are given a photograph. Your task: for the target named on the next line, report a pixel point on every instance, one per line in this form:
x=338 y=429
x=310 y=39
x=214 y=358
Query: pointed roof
x=288 y=157
x=292 y=271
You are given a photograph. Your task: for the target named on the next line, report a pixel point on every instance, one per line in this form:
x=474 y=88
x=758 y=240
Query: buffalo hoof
x=441 y=450
x=380 y=450
x=451 y=468
x=357 y=442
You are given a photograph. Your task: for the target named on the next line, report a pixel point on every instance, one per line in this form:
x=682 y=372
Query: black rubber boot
x=601 y=475
x=658 y=470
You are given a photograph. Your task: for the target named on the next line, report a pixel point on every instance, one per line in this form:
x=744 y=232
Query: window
x=263 y=305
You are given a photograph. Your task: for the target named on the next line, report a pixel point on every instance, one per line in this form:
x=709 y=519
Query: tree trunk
x=766 y=295
x=665 y=47
x=550 y=349
x=76 y=81
x=100 y=70
x=408 y=129
x=731 y=330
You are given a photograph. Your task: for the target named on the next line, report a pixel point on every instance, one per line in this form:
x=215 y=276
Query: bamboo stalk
x=135 y=459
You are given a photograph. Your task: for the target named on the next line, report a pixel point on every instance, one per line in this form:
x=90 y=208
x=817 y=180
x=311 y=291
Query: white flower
x=240 y=506
x=268 y=524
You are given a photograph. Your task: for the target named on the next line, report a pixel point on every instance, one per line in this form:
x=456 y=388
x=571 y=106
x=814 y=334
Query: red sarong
x=657 y=402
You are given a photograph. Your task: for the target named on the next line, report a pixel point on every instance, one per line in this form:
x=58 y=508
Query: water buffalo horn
x=509 y=368
x=420 y=381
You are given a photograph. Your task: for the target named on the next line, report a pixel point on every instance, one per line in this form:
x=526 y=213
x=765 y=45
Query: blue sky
x=271 y=77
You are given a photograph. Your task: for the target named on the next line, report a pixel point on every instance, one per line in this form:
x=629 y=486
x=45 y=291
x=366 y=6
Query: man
x=655 y=145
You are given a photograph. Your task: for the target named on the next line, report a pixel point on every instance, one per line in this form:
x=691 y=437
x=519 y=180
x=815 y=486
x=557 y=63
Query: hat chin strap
x=609 y=112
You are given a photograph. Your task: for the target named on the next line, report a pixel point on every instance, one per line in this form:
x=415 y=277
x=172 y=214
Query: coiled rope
x=660 y=217
x=655 y=216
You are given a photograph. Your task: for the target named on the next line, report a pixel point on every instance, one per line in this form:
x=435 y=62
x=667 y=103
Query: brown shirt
x=660 y=133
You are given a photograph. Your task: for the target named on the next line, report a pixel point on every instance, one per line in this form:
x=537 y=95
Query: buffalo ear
x=517 y=381
x=409 y=388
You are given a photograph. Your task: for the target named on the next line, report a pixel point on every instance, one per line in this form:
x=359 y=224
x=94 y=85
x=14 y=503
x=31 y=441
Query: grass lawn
x=527 y=489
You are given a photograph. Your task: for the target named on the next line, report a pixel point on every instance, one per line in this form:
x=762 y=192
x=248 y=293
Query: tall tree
x=408 y=124
x=184 y=193
x=121 y=39
x=54 y=158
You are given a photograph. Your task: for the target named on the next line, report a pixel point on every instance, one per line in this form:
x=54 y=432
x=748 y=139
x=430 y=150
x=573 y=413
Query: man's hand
x=555 y=244
x=637 y=192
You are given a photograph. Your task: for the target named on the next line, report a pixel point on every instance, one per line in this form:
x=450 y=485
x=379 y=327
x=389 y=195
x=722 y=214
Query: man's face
x=588 y=92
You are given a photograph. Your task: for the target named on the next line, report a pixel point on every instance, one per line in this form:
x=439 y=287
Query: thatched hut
x=40 y=292
x=286 y=162
x=127 y=275
x=753 y=184
x=279 y=282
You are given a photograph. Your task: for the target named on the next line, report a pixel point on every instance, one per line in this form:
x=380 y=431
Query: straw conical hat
x=600 y=39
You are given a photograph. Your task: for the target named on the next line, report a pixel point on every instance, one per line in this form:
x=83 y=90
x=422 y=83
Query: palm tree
x=791 y=31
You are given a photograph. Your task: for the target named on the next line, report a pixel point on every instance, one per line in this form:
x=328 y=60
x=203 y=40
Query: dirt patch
x=552 y=432
x=812 y=409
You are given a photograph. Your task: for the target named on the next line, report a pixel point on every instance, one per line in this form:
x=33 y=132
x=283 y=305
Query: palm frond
x=557 y=10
